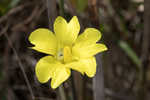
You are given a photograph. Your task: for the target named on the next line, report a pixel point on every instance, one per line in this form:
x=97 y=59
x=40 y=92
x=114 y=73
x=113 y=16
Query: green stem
x=73 y=87
x=51 y=16
x=62 y=93
x=61 y=5
x=62 y=13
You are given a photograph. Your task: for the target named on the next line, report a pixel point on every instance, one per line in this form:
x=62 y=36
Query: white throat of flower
x=64 y=54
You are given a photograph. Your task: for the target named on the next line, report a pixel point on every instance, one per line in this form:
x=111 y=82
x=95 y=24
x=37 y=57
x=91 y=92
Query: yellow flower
x=66 y=51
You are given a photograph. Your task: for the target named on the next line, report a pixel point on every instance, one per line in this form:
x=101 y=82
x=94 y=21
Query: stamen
x=60 y=55
x=67 y=54
x=64 y=55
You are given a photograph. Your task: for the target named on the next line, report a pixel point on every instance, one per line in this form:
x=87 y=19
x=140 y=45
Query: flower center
x=64 y=54
x=60 y=55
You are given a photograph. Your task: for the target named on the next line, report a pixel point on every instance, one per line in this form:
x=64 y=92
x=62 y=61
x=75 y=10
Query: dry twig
x=21 y=66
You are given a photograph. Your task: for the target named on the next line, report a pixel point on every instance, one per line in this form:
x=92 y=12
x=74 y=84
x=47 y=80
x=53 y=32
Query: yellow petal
x=60 y=75
x=87 y=66
x=73 y=29
x=66 y=32
x=67 y=54
x=90 y=66
x=83 y=50
x=60 y=28
x=48 y=67
x=44 y=41
x=90 y=35
x=44 y=68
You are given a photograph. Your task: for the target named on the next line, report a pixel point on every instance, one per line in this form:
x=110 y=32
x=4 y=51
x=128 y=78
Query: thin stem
x=61 y=5
x=62 y=93
x=98 y=81
x=73 y=87
x=21 y=67
x=51 y=10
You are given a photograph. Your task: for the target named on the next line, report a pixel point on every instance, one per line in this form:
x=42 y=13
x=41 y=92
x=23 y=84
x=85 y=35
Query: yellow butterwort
x=66 y=51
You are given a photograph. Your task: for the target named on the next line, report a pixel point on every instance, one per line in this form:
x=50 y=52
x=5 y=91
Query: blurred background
x=125 y=67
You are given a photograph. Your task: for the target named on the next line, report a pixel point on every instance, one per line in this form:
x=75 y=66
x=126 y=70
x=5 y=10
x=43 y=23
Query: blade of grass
x=130 y=52
x=61 y=5
x=135 y=59
x=51 y=10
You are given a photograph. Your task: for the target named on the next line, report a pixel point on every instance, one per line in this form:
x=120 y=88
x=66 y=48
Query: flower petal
x=90 y=35
x=84 y=50
x=73 y=29
x=60 y=28
x=44 y=41
x=48 y=67
x=44 y=68
x=60 y=75
x=66 y=32
x=87 y=66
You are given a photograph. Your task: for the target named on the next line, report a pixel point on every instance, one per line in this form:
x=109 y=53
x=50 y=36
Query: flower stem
x=51 y=10
x=61 y=5
x=62 y=13
x=73 y=87
x=62 y=93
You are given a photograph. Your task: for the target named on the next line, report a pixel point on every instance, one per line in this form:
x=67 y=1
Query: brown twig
x=27 y=20
x=21 y=66
x=13 y=11
x=93 y=12
x=4 y=30
x=145 y=51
